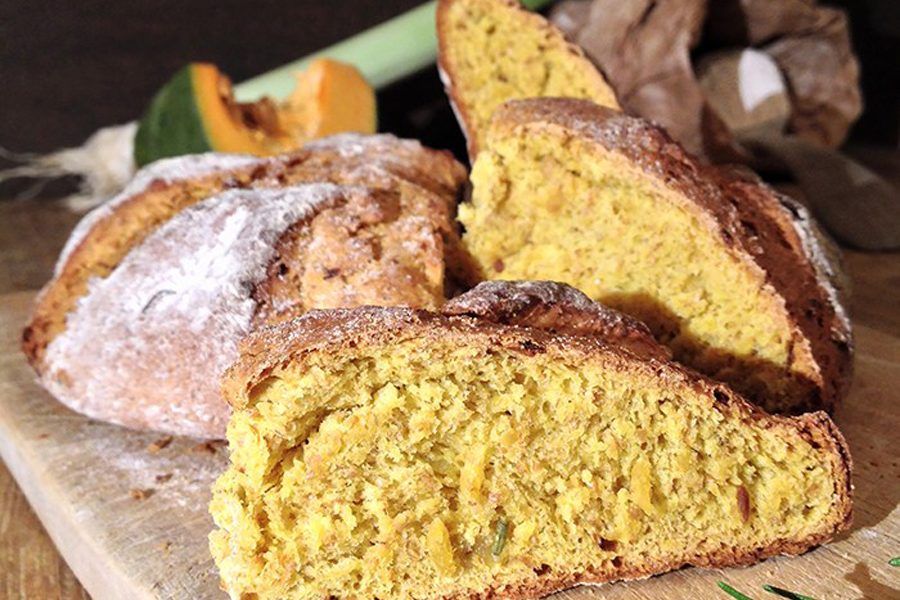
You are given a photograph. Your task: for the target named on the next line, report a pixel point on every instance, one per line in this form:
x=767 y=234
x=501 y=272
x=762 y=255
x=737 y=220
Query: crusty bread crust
x=764 y=229
x=101 y=228
x=454 y=87
x=330 y=159
x=145 y=347
x=556 y=307
x=344 y=332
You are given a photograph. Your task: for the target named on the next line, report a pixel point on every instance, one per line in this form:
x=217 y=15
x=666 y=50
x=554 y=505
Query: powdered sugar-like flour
x=167 y=321
x=166 y=170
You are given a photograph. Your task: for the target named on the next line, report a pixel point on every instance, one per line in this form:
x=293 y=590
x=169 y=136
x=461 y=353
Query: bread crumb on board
x=211 y=447
x=159 y=444
x=141 y=494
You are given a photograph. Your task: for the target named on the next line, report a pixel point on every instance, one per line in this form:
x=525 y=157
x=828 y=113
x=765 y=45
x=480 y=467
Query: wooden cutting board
x=131 y=519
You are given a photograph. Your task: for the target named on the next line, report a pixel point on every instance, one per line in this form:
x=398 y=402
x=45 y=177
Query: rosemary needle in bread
x=499 y=537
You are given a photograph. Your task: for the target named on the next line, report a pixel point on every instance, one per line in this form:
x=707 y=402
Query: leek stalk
x=383 y=54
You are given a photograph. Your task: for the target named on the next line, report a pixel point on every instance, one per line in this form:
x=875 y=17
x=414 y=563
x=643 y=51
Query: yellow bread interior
x=495 y=51
x=427 y=468
x=549 y=207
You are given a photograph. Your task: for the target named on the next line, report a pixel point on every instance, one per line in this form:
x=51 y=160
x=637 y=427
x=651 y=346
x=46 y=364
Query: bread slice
x=393 y=453
x=491 y=51
x=726 y=272
x=161 y=190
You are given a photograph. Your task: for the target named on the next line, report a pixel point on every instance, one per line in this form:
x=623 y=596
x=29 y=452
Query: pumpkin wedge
x=196 y=112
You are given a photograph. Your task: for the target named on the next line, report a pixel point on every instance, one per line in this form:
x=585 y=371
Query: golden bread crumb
x=431 y=466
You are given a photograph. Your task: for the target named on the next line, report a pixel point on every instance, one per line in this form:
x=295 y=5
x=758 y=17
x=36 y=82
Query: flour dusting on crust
x=824 y=258
x=436 y=170
x=168 y=319
x=167 y=170
x=555 y=307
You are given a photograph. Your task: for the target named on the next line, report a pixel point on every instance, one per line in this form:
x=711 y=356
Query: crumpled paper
x=651 y=49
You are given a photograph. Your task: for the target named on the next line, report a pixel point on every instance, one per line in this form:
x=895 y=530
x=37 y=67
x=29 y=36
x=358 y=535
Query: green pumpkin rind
x=172 y=124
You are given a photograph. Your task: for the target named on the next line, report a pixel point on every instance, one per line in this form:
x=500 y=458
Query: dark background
x=70 y=67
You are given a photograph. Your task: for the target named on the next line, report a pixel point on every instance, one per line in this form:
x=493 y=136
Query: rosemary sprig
x=785 y=593
x=894 y=562
x=499 y=537
x=769 y=588
x=733 y=592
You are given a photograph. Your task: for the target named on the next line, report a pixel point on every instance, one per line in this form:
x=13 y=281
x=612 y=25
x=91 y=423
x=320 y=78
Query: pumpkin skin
x=196 y=112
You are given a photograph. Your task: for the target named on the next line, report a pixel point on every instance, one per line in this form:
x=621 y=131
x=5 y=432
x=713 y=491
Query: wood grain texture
x=130 y=522
x=81 y=476
x=874 y=290
x=30 y=565
x=32 y=234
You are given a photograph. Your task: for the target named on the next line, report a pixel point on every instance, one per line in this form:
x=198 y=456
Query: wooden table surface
x=31 y=236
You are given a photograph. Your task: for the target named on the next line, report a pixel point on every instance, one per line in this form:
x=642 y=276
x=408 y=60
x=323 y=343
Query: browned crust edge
x=448 y=73
x=556 y=307
x=751 y=218
x=350 y=330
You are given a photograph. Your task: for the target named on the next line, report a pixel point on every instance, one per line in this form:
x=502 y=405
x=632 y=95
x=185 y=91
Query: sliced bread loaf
x=393 y=453
x=726 y=272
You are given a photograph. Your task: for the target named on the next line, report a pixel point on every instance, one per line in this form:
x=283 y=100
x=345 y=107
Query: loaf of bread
x=491 y=51
x=156 y=288
x=159 y=191
x=725 y=271
x=492 y=451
